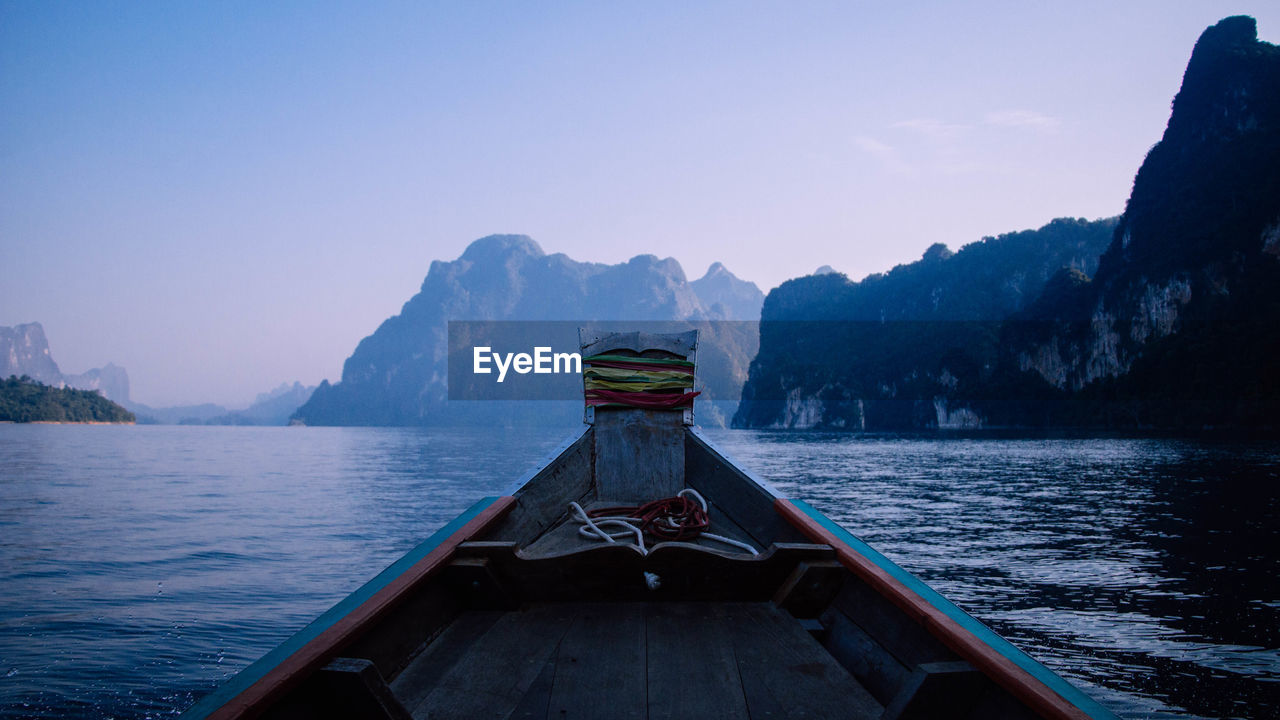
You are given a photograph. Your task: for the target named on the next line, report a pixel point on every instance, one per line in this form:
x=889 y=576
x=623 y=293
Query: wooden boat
x=514 y=610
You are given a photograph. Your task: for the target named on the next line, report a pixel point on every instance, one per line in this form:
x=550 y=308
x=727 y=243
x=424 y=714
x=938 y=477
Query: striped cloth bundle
x=624 y=381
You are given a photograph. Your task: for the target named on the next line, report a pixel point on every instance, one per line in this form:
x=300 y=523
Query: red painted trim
x=258 y=696
x=1021 y=684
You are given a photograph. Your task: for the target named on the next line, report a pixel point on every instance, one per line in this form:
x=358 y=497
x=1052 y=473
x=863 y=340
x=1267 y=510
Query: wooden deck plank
x=692 y=672
x=417 y=680
x=536 y=703
x=600 y=666
x=631 y=660
x=499 y=668
x=785 y=672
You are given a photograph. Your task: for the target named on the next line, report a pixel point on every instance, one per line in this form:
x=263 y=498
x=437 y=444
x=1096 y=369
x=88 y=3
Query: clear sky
x=224 y=196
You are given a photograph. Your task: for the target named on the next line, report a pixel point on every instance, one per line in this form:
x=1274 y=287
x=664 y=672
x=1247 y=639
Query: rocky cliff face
x=24 y=350
x=1150 y=339
x=1176 y=325
x=397 y=375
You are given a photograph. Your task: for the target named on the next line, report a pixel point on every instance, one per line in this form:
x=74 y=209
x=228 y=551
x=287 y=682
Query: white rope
x=591 y=527
x=630 y=527
x=687 y=492
x=730 y=541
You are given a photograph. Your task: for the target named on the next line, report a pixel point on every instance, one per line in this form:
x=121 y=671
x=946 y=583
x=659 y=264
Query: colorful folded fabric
x=625 y=381
x=673 y=362
x=654 y=401
x=633 y=386
x=636 y=363
x=625 y=375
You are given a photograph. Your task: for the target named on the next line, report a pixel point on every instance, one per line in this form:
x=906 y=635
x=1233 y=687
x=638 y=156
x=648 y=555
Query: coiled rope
x=670 y=519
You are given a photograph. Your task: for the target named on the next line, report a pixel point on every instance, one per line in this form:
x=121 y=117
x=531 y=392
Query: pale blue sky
x=224 y=196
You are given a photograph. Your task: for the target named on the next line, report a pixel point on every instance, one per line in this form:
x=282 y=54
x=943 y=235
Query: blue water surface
x=141 y=566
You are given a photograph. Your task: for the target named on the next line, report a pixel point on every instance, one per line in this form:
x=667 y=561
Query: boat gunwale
x=1028 y=680
x=548 y=463
x=718 y=454
x=1019 y=673
x=250 y=691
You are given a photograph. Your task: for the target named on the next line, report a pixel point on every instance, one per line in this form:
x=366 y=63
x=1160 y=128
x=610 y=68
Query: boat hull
x=414 y=641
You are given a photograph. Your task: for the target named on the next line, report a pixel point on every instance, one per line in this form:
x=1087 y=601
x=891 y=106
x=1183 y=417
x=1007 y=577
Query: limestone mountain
x=1176 y=326
x=726 y=296
x=1180 y=326
x=24 y=350
x=397 y=375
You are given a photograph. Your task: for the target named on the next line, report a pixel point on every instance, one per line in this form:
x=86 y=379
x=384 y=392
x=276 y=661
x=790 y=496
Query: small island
x=25 y=400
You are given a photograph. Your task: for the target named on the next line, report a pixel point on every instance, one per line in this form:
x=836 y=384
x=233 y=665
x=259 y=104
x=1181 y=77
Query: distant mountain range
x=1176 y=326
x=397 y=375
x=1167 y=317
x=24 y=350
x=269 y=408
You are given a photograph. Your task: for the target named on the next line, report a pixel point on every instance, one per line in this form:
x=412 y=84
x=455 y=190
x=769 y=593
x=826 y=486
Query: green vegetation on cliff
x=1175 y=326
x=907 y=348
x=25 y=400
x=1180 y=327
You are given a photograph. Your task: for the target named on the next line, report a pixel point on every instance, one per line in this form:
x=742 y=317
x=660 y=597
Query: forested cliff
x=1176 y=326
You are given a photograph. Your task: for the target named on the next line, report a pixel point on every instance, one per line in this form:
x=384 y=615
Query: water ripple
x=140 y=567
x=1143 y=570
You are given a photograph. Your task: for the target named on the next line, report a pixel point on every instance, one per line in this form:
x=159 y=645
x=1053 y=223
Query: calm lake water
x=141 y=566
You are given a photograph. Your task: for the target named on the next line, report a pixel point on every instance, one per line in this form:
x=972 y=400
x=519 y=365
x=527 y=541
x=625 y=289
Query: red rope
x=673 y=518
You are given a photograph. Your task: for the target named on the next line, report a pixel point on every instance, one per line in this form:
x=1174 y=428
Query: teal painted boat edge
x=988 y=636
x=551 y=457
x=259 y=668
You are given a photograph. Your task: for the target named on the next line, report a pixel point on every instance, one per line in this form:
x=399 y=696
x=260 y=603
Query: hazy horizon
x=224 y=198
